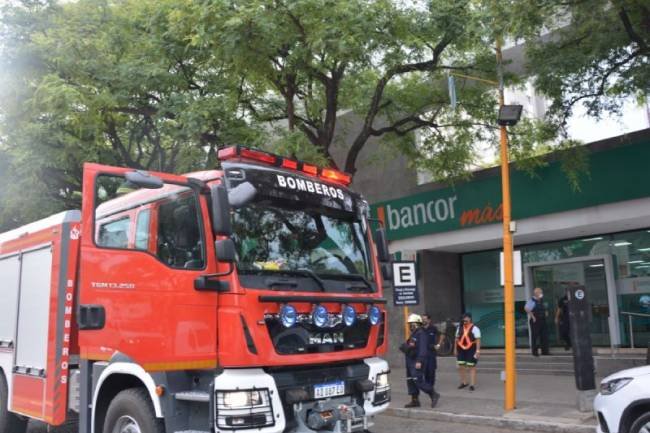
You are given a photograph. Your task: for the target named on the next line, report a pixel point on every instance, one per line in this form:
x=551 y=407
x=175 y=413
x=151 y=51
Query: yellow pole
x=508 y=288
x=407 y=330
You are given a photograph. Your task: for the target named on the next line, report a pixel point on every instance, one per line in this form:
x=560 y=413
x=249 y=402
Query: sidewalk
x=544 y=403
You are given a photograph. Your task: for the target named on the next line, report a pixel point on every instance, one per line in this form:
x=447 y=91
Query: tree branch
x=634 y=36
x=375 y=103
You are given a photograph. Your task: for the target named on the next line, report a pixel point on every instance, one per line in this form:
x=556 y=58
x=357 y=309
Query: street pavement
x=391 y=424
x=544 y=403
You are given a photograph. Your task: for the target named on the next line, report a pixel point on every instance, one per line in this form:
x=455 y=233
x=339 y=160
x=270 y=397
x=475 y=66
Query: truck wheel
x=9 y=422
x=131 y=411
x=641 y=424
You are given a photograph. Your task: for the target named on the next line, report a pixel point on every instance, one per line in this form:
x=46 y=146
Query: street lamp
x=509 y=115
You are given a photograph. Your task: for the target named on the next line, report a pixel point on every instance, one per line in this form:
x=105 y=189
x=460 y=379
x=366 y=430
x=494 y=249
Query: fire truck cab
x=243 y=299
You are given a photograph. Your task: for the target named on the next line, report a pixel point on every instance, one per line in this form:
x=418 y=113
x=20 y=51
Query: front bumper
x=608 y=413
x=289 y=403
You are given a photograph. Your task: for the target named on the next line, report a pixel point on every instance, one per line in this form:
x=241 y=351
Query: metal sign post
x=405 y=289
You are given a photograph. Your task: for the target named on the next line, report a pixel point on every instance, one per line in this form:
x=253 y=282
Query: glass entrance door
x=554 y=279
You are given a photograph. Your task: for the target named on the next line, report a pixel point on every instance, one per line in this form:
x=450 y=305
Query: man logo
x=326 y=338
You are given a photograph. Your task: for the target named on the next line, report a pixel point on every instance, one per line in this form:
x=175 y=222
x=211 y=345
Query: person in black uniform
x=435 y=338
x=537 y=320
x=562 y=319
x=416 y=349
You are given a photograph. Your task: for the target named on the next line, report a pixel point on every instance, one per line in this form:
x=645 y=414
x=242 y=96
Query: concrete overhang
x=596 y=220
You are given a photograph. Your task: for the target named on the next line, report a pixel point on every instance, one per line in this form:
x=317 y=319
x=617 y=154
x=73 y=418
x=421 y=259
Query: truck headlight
x=611 y=386
x=374 y=314
x=239 y=399
x=243 y=409
x=382 y=389
x=288 y=316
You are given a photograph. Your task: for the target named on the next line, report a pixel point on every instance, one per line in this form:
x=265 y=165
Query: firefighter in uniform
x=537 y=319
x=467 y=350
x=435 y=339
x=418 y=357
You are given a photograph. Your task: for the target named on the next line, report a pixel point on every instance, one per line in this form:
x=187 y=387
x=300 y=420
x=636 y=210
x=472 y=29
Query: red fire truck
x=244 y=299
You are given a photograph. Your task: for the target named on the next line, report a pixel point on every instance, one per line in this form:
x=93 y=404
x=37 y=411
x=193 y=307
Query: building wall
x=382 y=171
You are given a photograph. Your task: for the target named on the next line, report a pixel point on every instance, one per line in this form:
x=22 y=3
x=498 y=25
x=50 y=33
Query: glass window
x=142 y=230
x=179 y=236
x=174 y=208
x=630 y=252
x=272 y=238
x=114 y=234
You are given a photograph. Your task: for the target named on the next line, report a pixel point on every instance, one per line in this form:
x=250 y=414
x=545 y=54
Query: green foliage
x=597 y=55
x=162 y=84
x=108 y=81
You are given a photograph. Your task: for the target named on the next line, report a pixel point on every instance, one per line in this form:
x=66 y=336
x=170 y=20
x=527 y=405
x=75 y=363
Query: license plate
x=330 y=389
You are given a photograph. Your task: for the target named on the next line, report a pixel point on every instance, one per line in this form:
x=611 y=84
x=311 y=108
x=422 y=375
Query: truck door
x=144 y=243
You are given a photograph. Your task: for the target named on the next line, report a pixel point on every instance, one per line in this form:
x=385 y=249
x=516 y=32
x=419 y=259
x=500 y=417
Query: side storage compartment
x=37 y=277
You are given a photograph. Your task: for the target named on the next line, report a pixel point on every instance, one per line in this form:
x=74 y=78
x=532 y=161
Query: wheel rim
x=126 y=424
x=645 y=428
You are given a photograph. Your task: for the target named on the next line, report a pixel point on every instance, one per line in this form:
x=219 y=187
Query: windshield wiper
x=294 y=272
x=350 y=277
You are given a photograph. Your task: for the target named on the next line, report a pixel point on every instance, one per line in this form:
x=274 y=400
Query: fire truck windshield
x=330 y=249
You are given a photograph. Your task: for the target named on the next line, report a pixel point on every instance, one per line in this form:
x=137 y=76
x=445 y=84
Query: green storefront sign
x=616 y=174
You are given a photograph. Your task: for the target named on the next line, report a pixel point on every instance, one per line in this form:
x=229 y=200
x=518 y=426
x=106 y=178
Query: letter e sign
x=404 y=274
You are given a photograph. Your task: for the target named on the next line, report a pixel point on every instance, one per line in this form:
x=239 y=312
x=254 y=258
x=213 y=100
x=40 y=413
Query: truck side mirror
x=225 y=250
x=220 y=211
x=382 y=245
x=242 y=194
x=142 y=179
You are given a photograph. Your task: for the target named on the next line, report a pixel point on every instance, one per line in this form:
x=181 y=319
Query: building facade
x=597 y=236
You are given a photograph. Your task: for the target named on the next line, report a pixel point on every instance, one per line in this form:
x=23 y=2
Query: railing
x=630 y=315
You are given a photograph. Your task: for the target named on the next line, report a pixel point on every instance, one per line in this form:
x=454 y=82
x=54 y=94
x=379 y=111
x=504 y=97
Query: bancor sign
x=615 y=174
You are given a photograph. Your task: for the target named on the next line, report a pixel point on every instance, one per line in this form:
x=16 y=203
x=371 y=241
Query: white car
x=623 y=404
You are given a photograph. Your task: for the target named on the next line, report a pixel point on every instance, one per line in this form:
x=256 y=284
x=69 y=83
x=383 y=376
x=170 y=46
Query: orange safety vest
x=467 y=340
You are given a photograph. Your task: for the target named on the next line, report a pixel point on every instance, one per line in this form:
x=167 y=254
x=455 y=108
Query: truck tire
x=131 y=411
x=641 y=424
x=9 y=422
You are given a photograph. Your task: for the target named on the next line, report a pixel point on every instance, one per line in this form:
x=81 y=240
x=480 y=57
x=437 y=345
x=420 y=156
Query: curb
x=494 y=421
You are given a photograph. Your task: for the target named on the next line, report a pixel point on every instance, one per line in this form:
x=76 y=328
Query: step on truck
x=246 y=299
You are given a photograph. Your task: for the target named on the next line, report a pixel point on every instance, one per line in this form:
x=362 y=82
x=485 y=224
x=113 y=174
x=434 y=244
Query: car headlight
x=611 y=386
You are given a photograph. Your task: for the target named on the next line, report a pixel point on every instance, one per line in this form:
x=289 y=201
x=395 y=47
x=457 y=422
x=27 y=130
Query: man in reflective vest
x=467 y=350
x=416 y=349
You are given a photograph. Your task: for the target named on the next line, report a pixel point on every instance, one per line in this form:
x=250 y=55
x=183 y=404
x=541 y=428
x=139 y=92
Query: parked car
x=623 y=403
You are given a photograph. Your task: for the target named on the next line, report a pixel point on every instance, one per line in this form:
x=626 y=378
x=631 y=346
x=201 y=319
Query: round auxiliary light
x=288 y=315
x=374 y=315
x=349 y=315
x=319 y=316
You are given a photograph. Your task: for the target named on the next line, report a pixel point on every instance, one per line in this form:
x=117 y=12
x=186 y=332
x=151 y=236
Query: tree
x=162 y=85
x=113 y=82
x=305 y=61
x=597 y=54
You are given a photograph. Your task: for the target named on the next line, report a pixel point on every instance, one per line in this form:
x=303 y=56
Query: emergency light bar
x=241 y=152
